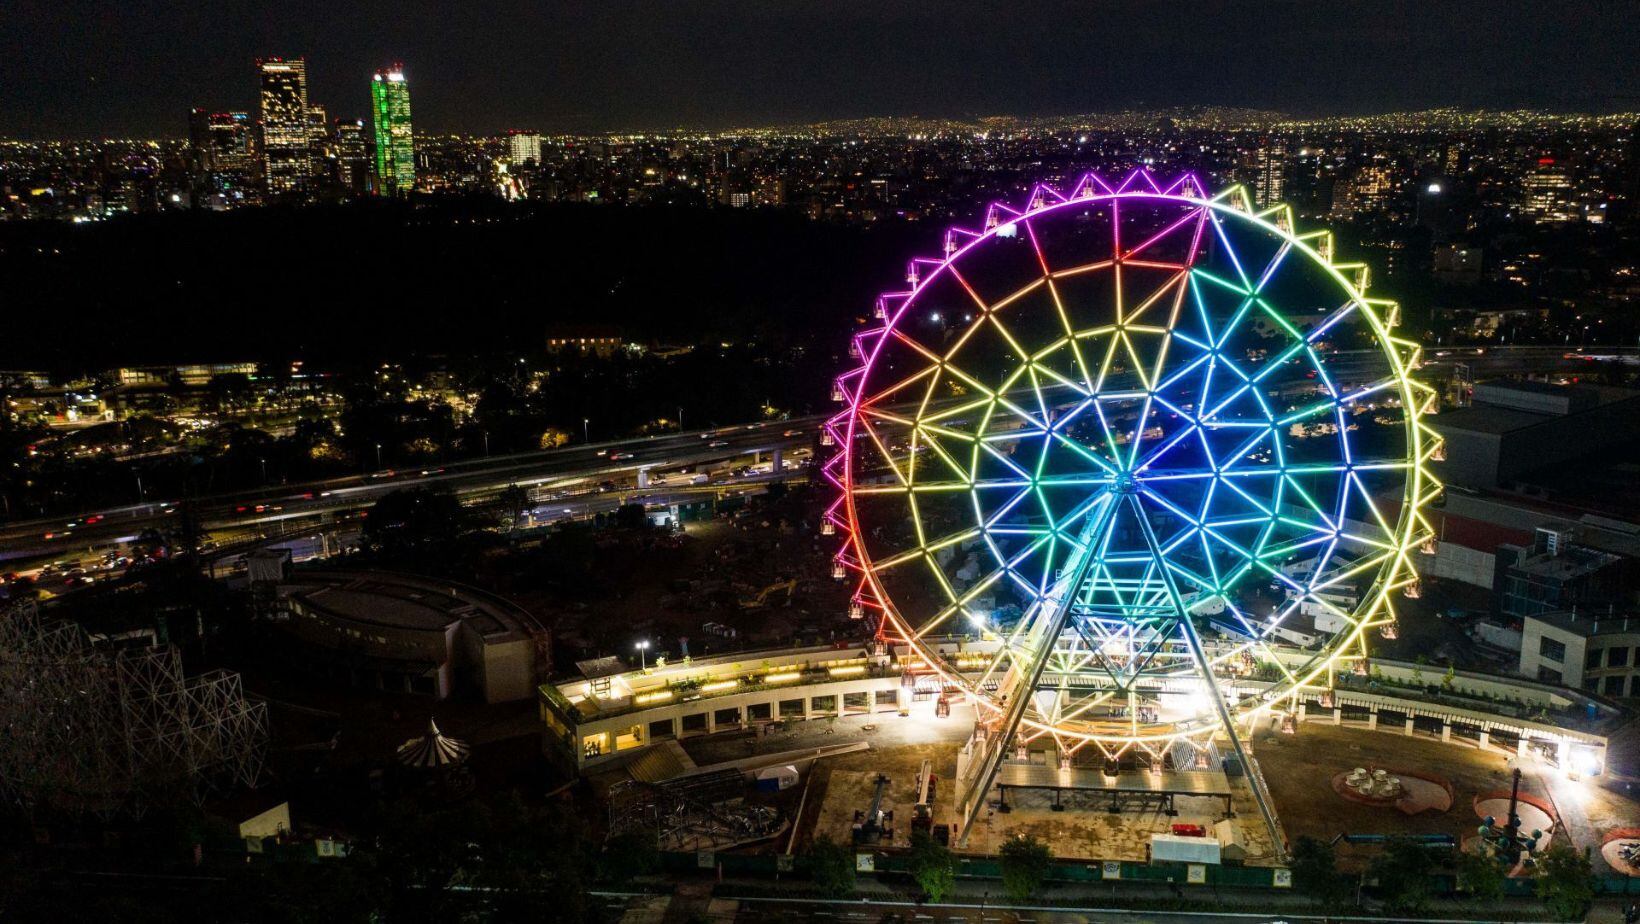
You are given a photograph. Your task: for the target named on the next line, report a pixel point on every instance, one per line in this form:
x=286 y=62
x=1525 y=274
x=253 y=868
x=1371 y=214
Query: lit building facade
x=1365 y=191
x=222 y=158
x=351 y=156
x=524 y=147
x=1270 y=176
x=1547 y=194
x=395 y=148
x=287 y=148
x=221 y=141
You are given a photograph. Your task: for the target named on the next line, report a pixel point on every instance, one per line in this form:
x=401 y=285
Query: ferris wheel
x=1149 y=453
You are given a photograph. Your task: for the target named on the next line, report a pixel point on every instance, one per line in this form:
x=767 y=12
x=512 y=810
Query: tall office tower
x=1547 y=193
x=287 y=158
x=352 y=161
x=222 y=158
x=319 y=142
x=395 y=151
x=524 y=148
x=1366 y=191
x=220 y=141
x=1270 y=176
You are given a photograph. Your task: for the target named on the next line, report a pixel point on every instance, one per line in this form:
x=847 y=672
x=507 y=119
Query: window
x=1617 y=657
x=1614 y=685
x=1551 y=649
x=1592 y=658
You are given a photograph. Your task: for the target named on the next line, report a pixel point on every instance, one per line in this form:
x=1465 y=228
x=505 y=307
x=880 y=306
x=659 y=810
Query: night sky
x=76 y=68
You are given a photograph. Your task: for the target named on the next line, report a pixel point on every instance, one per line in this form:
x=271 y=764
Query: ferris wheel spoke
x=1171 y=374
x=1338 y=402
x=1230 y=251
x=1059 y=310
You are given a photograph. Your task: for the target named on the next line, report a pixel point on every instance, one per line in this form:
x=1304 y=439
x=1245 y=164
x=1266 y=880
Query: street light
x=680 y=418
x=586 y=434
x=643 y=657
x=378 y=457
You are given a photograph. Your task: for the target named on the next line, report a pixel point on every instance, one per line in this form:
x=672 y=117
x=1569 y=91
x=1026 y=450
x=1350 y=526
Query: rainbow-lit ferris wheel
x=1151 y=451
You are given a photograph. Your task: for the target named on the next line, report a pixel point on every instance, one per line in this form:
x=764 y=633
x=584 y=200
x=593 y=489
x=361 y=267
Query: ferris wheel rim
x=1402 y=357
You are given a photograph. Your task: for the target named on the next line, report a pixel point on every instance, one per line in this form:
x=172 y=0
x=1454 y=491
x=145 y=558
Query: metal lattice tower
x=91 y=730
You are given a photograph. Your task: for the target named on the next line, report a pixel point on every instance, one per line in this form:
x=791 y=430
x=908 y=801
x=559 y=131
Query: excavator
x=762 y=598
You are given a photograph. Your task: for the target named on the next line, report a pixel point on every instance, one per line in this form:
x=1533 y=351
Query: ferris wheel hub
x=1108 y=431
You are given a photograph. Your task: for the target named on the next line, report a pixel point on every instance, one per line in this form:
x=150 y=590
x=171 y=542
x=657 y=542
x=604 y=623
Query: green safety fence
x=1244 y=877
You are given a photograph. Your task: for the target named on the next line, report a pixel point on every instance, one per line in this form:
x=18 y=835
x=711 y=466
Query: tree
x=1402 y=872
x=1025 y=863
x=634 y=853
x=832 y=867
x=512 y=860
x=631 y=516
x=1315 y=873
x=1481 y=875
x=514 y=500
x=933 y=865
x=1565 y=881
x=417 y=528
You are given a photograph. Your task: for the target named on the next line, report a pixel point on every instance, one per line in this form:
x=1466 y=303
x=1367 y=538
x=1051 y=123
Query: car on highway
x=618 y=456
x=792 y=433
x=717 y=444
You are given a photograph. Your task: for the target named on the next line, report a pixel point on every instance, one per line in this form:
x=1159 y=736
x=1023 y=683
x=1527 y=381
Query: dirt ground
x=844 y=785
x=1299 y=769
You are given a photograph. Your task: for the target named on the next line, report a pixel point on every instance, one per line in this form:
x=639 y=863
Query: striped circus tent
x=433 y=750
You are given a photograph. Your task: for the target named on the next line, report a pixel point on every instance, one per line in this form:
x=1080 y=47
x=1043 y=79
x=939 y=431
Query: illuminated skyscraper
x=352 y=160
x=524 y=147
x=319 y=142
x=395 y=151
x=1270 y=176
x=1547 y=193
x=287 y=156
x=1366 y=191
x=220 y=141
x=222 y=157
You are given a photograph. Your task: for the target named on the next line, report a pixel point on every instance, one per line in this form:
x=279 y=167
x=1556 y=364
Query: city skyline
x=638 y=66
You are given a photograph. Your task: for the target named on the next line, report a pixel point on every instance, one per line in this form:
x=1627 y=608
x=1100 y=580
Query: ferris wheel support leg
x=972 y=790
x=1204 y=666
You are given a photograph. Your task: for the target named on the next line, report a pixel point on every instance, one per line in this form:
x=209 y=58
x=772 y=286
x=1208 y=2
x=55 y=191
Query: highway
x=570 y=476
x=294 y=508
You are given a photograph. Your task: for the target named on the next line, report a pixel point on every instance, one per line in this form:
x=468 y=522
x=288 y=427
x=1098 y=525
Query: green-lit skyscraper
x=395 y=154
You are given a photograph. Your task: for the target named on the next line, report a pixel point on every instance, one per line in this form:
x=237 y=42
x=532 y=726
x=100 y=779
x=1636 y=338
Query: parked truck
x=1172 y=848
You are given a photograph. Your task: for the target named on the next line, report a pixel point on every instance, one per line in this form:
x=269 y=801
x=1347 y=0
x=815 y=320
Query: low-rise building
x=1597 y=653
x=608 y=710
x=1556 y=573
x=414 y=634
x=1516 y=428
